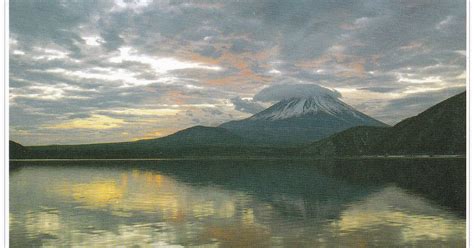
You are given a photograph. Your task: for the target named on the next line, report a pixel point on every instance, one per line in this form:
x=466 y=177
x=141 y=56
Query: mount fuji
x=301 y=119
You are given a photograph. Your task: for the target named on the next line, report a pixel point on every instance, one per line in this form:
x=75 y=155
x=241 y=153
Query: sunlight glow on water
x=98 y=207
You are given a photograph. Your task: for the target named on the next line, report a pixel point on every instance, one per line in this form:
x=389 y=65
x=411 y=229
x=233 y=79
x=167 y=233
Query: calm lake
x=247 y=203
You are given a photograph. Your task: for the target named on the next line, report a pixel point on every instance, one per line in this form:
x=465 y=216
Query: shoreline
x=247 y=158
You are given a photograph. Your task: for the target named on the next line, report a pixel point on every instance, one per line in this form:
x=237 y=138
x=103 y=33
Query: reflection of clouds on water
x=125 y=235
x=43 y=223
x=152 y=209
x=178 y=204
x=206 y=215
x=94 y=194
x=393 y=211
x=150 y=192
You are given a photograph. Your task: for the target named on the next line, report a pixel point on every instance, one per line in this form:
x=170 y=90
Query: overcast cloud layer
x=106 y=71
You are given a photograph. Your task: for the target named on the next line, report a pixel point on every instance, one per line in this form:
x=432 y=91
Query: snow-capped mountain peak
x=306 y=114
x=295 y=107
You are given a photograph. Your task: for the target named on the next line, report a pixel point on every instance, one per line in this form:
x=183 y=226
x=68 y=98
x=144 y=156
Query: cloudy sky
x=107 y=71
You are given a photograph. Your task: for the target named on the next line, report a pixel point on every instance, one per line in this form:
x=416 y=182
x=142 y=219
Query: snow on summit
x=302 y=99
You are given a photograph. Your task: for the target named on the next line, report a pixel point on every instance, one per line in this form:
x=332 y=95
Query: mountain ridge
x=441 y=129
x=300 y=120
x=17 y=150
x=190 y=142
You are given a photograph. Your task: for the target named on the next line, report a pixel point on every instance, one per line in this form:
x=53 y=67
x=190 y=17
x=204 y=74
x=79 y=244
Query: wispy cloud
x=122 y=70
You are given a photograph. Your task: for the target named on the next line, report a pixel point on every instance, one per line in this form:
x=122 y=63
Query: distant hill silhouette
x=196 y=141
x=440 y=129
x=198 y=135
x=17 y=151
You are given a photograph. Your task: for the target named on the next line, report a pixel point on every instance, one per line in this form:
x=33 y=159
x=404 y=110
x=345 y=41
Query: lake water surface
x=229 y=203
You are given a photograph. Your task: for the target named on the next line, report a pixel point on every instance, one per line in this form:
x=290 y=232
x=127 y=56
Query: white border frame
x=4 y=152
x=4 y=124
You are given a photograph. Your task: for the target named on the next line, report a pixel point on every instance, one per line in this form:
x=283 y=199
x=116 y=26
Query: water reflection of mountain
x=293 y=188
x=440 y=180
x=292 y=203
x=395 y=216
x=300 y=184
